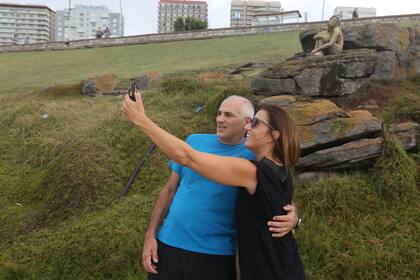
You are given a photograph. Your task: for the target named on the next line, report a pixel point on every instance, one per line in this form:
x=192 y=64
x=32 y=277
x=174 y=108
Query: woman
x=266 y=185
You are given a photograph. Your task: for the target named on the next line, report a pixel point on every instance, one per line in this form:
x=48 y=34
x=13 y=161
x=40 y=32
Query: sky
x=141 y=15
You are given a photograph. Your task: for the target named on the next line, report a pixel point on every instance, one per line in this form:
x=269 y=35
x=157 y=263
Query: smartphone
x=131 y=89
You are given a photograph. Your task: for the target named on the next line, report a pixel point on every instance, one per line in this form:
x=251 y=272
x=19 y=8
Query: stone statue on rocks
x=329 y=41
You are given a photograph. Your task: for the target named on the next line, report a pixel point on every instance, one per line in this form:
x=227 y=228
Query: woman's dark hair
x=287 y=147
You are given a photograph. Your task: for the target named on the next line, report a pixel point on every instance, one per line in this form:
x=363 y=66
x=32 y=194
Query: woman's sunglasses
x=255 y=121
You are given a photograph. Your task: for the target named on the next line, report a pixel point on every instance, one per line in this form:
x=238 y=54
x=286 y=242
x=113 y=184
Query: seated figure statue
x=329 y=41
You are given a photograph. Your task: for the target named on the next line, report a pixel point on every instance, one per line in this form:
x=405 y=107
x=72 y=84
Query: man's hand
x=133 y=111
x=150 y=255
x=281 y=225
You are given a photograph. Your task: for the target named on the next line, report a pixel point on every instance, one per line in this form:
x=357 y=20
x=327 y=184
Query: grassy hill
x=60 y=176
x=21 y=71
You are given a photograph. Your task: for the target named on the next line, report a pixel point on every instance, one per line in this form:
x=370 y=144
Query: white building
x=242 y=12
x=83 y=21
x=347 y=12
x=27 y=23
x=276 y=18
x=170 y=10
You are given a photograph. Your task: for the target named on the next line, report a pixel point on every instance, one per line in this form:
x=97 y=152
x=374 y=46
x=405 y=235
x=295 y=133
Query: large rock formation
x=331 y=75
x=373 y=51
x=332 y=139
x=357 y=153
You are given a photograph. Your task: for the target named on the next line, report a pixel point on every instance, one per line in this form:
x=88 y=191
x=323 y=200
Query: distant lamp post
x=237 y=17
x=121 y=19
x=323 y=5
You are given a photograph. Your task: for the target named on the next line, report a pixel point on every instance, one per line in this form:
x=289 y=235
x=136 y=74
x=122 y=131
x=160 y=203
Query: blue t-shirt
x=201 y=217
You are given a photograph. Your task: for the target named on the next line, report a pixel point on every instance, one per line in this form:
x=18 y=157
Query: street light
x=323 y=5
x=121 y=19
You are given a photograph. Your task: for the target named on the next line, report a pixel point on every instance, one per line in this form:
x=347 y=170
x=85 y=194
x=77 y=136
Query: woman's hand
x=133 y=111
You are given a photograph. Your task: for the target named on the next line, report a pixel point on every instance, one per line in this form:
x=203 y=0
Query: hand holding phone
x=131 y=90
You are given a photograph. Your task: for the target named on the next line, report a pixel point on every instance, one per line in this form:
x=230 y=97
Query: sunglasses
x=255 y=121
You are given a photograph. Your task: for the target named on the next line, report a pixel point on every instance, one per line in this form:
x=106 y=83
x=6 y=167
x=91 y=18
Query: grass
x=60 y=176
x=25 y=71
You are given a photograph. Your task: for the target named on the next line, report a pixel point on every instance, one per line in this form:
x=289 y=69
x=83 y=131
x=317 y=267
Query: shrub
x=394 y=174
x=183 y=85
x=79 y=179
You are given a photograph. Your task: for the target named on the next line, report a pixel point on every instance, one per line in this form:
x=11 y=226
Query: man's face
x=230 y=122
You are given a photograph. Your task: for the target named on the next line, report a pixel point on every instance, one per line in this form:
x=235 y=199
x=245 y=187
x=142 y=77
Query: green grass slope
x=60 y=176
x=20 y=71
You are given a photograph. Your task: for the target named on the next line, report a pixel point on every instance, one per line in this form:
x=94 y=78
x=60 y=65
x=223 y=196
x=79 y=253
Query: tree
x=189 y=23
x=179 y=24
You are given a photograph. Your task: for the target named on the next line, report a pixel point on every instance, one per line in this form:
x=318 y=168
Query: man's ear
x=248 y=120
x=275 y=134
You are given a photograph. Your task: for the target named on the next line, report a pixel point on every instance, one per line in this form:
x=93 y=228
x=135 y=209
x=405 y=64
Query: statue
x=329 y=41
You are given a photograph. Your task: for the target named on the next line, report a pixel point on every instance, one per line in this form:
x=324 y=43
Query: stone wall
x=207 y=34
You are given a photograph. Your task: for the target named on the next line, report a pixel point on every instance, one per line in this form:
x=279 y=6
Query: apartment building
x=347 y=12
x=26 y=24
x=170 y=10
x=83 y=21
x=242 y=12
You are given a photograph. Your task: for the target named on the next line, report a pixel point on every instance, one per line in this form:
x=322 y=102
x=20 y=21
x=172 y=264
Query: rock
x=405 y=133
x=267 y=87
x=407 y=67
x=378 y=36
x=321 y=124
x=149 y=80
x=307 y=112
x=386 y=66
x=306 y=39
x=306 y=178
x=332 y=75
x=396 y=46
x=338 y=130
x=279 y=100
x=359 y=152
x=89 y=89
x=391 y=66
x=352 y=154
x=105 y=83
x=309 y=81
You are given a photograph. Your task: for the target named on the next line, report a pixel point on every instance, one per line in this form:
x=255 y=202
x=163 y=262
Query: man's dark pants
x=178 y=264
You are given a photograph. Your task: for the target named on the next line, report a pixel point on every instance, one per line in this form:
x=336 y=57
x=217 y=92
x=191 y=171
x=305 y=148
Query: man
x=99 y=33
x=107 y=32
x=197 y=239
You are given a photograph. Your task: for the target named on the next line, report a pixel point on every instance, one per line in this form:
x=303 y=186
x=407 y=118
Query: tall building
x=347 y=12
x=243 y=11
x=170 y=10
x=21 y=24
x=83 y=21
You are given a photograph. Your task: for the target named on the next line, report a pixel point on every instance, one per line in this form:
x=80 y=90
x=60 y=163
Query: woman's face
x=260 y=135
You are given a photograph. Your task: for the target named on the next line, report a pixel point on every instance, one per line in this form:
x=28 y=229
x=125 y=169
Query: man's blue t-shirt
x=201 y=217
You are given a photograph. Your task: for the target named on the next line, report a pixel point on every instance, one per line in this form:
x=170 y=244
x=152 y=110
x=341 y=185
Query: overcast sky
x=141 y=15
